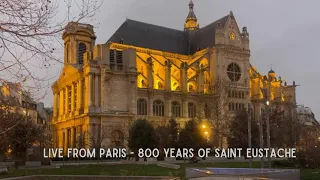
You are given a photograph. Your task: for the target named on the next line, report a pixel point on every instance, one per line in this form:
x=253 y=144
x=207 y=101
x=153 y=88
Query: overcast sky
x=282 y=33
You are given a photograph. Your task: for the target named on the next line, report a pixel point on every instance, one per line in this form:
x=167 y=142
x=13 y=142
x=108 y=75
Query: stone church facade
x=153 y=72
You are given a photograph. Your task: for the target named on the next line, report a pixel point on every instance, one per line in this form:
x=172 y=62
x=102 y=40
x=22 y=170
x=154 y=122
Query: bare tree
x=30 y=33
x=216 y=104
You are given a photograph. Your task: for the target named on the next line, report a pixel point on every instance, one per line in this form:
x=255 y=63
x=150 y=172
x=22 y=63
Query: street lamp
x=203 y=126
x=267 y=103
x=268 y=131
x=79 y=146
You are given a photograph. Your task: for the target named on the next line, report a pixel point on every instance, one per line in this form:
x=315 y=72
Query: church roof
x=161 y=38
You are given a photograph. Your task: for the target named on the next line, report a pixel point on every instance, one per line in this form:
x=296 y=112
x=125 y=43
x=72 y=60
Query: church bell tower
x=191 y=23
x=78 y=39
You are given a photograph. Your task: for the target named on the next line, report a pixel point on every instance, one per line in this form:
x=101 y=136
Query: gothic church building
x=153 y=72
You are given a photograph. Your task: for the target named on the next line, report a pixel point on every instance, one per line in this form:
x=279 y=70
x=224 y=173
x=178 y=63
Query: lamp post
x=249 y=132
x=268 y=132
x=78 y=146
x=205 y=131
x=261 y=137
x=63 y=143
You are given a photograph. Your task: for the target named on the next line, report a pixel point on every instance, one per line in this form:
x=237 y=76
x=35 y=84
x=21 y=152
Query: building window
x=191 y=110
x=142 y=107
x=176 y=109
x=233 y=72
x=69 y=98
x=111 y=57
x=116 y=61
x=75 y=95
x=81 y=50
x=158 y=108
x=65 y=100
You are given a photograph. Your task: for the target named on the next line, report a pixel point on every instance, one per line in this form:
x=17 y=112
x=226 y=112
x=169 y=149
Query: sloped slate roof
x=161 y=38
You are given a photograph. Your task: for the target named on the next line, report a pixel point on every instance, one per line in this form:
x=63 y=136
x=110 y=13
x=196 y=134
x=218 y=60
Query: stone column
x=168 y=76
x=184 y=77
x=89 y=90
x=72 y=137
x=79 y=89
x=96 y=90
x=150 y=73
x=67 y=99
x=72 y=97
x=150 y=106
x=167 y=107
x=61 y=102
x=185 y=108
x=55 y=107
x=200 y=80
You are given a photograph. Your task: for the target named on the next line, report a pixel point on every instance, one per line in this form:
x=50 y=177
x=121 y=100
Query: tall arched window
x=158 y=108
x=175 y=108
x=81 y=50
x=191 y=110
x=142 y=107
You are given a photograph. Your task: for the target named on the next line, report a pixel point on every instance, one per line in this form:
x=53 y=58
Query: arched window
x=158 y=108
x=175 y=108
x=234 y=72
x=117 y=138
x=207 y=112
x=142 y=107
x=191 y=110
x=81 y=50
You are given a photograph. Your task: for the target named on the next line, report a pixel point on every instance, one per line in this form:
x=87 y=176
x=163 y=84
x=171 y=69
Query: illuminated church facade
x=153 y=72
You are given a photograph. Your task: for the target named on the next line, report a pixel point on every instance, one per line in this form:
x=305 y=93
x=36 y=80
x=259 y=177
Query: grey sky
x=282 y=33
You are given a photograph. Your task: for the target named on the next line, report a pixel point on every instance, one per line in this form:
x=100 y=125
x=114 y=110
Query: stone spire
x=191 y=20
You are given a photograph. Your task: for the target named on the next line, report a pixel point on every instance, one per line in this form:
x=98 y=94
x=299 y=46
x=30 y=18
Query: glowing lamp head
x=203 y=126
x=206 y=133
x=268 y=103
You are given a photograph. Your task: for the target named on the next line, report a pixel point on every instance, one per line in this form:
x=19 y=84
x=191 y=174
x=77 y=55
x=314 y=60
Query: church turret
x=245 y=38
x=272 y=74
x=78 y=39
x=191 y=20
